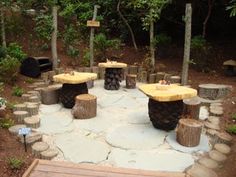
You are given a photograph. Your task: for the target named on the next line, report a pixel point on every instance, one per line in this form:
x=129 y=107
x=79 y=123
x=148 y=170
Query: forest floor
x=10 y=147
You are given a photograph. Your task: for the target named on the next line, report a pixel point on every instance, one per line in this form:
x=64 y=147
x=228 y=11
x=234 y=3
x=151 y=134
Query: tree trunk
x=152 y=47
x=4 y=44
x=192 y=107
x=187 y=44
x=210 y=5
x=91 y=46
x=131 y=81
x=54 y=37
x=127 y=24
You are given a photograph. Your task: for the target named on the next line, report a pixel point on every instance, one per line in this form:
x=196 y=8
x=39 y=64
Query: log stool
x=192 y=107
x=85 y=107
x=189 y=132
x=131 y=81
x=50 y=96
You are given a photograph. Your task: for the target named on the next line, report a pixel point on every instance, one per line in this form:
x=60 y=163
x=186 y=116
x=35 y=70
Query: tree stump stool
x=189 y=132
x=85 y=107
x=49 y=154
x=113 y=77
x=152 y=78
x=32 y=109
x=175 y=79
x=26 y=97
x=131 y=81
x=32 y=122
x=50 y=96
x=39 y=147
x=192 y=107
x=19 y=107
x=19 y=116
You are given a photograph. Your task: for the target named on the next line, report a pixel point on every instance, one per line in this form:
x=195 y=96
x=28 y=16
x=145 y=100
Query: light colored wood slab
x=170 y=92
x=76 y=78
x=112 y=64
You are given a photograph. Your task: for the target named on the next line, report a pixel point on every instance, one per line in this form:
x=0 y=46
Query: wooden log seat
x=131 y=81
x=85 y=107
x=50 y=95
x=192 y=107
x=189 y=132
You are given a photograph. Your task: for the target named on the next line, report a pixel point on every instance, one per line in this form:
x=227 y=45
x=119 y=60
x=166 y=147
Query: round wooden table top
x=112 y=64
x=74 y=77
x=165 y=93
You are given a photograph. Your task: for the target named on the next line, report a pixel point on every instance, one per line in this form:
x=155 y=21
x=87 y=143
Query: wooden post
x=54 y=37
x=189 y=132
x=152 y=47
x=187 y=44
x=91 y=47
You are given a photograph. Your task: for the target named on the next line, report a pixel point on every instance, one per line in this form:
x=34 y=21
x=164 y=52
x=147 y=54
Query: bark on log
x=95 y=69
x=152 y=78
x=19 y=116
x=85 y=107
x=45 y=77
x=189 y=132
x=192 y=108
x=34 y=99
x=131 y=81
x=19 y=107
x=31 y=138
x=214 y=91
x=26 y=97
x=101 y=73
x=223 y=137
x=32 y=122
x=39 y=147
x=133 y=69
x=59 y=70
x=144 y=76
x=32 y=109
x=49 y=154
x=139 y=74
x=50 y=76
x=50 y=96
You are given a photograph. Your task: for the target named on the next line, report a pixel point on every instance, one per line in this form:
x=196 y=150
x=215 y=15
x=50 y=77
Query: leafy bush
x=162 y=40
x=234 y=116
x=86 y=58
x=231 y=129
x=6 y=123
x=15 y=163
x=74 y=54
x=201 y=54
x=15 y=51
x=70 y=36
x=17 y=91
x=2 y=102
x=9 y=68
x=3 y=52
x=29 y=80
x=102 y=44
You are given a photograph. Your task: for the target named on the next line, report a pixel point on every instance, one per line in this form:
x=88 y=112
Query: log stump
x=175 y=79
x=198 y=170
x=101 y=73
x=209 y=163
x=39 y=147
x=32 y=122
x=113 y=77
x=217 y=156
x=15 y=128
x=45 y=76
x=26 y=97
x=192 y=107
x=19 y=107
x=152 y=78
x=160 y=76
x=32 y=109
x=222 y=148
x=189 y=132
x=50 y=76
x=50 y=96
x=133 y=69
x=19 y=116
x=34 y=99
x=214 y=91
x=49 y=154
x=143 y=77
x=85 y=107
x=131 y=81
x=223 y=137
x=31 y=138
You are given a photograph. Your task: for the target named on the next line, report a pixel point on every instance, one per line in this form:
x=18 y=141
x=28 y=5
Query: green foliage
x=198 y=42
x=43 y=27
x=29 y=80
x=14 y=24
x=2 y=102
x=70 y=35
x=86 y=58
x=1 y=87
x=3 y=52
x=15 y=163
x=9 y=68
x=6 y=123
x=234 y=116
x=17 y=91
x=102 y=44
x=15 y=51
x=162 y=40
x=231 y=129
x=232 y=8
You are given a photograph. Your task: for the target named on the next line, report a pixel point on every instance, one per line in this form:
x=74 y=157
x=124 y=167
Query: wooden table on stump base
x=113 y=74
x=74 y=84
x=165 y=103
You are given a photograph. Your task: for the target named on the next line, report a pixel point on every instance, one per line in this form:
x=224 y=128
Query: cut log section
x=223 y=137
x=50 y=76
x=152 y=78
x=59 y=70
x=15 y=128
x=214 y=91
x=222 y=148
x=101 y=73
x=19 y=116
x=49 y=154
x=209 y=163
x=192 y=107
x=175 y=79
x=32 y=122
x=45 y=76
x=39 y=147
x=131 y=81
x=26 y=97
x=31 y=138
x=198 y=170
x=113 y=77
x=32 y=109
x=95 y=69
x=189 y=132
x=143 y=77
x=50 y=96
x=216 y=111
x=217 y=156
x=34 y=93
x=214 y=120
x=212 y=125
x=34 y=99
x=133 y=69
x=85 y=107
x=19 y=107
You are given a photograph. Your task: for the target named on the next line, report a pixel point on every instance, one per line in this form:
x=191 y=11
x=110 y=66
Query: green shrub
x=86 y=58
x=3 y=52
x=74 y=54
x=6 y=123
x=15 y=51
x=70 y=36
x=29 y=80
x=234 y=116
x=1 y=87
x=162 y=40
x=2 y=102
x=231 y=129
x=17 y=91
x=15 y=163
x=9 y=68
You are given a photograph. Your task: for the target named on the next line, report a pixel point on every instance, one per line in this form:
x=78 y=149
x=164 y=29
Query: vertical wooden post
x=152 y=47
x=54 y=37
x=3 y=28
x=187 y=44
x=91 y=47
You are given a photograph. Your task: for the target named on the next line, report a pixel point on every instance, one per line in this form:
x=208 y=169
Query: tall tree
x=152 y=12
x=210 y=6
x=54 y=36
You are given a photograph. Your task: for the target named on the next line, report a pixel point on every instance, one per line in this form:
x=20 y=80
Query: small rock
x=15 y=128
x=209 y=163
x=223 y=148
x=198 y=170
x=217 y=156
